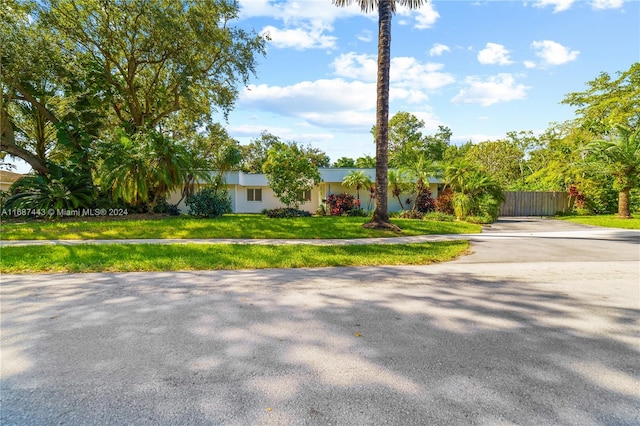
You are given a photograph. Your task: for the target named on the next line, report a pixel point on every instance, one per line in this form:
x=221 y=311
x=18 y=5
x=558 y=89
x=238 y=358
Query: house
x=250 y=192
x=7 y=179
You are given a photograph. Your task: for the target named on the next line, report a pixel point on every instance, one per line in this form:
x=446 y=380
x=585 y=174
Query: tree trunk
x=624 y=202
x=380 y=219
x=8 y=145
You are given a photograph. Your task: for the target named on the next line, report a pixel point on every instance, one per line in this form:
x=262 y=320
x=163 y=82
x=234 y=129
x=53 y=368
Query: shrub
x=61 y=189
x=341 y=204
x=424 y=202
x=163 y=206
x=209 y=203
x=286 y=212
x=488 y=206
x=443 y=203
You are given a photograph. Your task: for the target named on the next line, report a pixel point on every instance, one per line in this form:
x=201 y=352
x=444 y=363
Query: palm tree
x=398 y=182
x=620 y=158
x=475 y=191
x=359 y=179
x=386 y=8
x=419 y=171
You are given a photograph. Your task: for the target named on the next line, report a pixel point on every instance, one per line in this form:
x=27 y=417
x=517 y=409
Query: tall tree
x=366 y=162
x=138 y=65
x=608 y=102
x=158 y=57
x=344 y=162
x=405 y=138
x=255 y=154
x=386 y=8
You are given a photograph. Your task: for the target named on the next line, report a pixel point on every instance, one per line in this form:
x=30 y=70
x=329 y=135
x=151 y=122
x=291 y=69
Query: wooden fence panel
x=524 y=203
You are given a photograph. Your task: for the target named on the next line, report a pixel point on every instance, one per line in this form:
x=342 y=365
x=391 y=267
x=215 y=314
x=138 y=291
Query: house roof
x=327 y=175
x=9 y=177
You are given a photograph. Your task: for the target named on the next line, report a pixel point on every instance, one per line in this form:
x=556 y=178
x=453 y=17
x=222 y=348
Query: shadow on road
x=359 y=346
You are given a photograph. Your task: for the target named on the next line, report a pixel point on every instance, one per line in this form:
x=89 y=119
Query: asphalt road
x=540 y=325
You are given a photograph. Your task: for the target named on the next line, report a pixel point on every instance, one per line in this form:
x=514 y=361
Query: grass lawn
x=182 y=257
x=228 y=226
x=609 y=221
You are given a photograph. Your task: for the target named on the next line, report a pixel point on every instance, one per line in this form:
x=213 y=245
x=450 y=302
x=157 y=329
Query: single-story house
x=250 y=192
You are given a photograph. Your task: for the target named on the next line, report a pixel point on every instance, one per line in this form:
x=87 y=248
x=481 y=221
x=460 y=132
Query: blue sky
x=482 y=68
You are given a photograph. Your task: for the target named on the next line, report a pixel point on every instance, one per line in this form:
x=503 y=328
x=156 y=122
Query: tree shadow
x=401 y=345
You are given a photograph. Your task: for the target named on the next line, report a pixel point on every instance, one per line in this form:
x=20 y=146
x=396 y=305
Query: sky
x=482 y=68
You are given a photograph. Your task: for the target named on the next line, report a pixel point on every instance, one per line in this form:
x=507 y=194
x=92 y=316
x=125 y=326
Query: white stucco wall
x=238 y=183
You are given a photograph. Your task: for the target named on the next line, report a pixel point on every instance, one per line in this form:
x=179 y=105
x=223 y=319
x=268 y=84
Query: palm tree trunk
x=624 y=202
x=380 y=217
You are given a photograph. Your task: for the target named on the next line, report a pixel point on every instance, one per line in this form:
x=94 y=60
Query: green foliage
x=290 y=170
x=4 y=195
x=407 y=142
x=142 y=168
x=366 y=162
x=209 y=203
x=399 y=182
x=620 y=157
x=163 y=206
x=418 y=172
x=61 y=189
x=344 y=162
x=358 y=179
x=159 y=57
x=502 y=159
x=475 y=193
x=90 y=68
x=609 y=102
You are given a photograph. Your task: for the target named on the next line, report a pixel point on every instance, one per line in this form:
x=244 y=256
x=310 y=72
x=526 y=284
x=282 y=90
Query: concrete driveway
x=539 y=326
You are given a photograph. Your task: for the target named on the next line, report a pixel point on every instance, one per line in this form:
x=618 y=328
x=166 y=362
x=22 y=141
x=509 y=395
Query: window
x=304 y=195
x=254 y=194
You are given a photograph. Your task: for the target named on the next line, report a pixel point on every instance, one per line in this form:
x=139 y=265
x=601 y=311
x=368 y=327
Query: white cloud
x=494 y=53
x=406 y=72
x=438 y=49
x=559 y=5
x=299 y=38
x=409 y=72
x=365 y=36
x=295 y=11
x=530 y=64
x=553 y=53
x=334 y=103
x=356 y=66
x=499 y=88
x=607 y=4
x=425 y=16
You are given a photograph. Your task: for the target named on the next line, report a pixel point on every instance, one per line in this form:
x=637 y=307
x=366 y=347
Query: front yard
x=250 y=226
x=172 y=257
